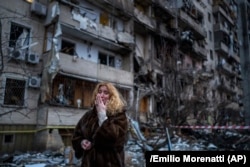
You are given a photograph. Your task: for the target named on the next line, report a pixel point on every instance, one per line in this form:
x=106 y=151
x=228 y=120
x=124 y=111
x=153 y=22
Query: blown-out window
x=19 y=36
x=68 y=47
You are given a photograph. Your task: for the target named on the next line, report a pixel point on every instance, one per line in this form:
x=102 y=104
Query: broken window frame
x=14 y=96
x=68 y=47
x=16 y=32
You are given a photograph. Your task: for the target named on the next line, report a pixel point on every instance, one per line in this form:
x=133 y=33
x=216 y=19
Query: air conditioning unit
x=34 y=82
x=17 y=54
x=38 y=8
x=33 y=58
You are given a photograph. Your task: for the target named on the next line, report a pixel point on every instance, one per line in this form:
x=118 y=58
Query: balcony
x=226 y=69
x=222 y=48
x=200 y=51
x=187 y=21
x=168 y=5
x=219 y=9
x=235 y=57
x=164 y=30
x=234 y=53
x=87 y=69
x=226 y=87
x=228 y=7
x=143 y=22
x=220 y=27
x=239 y=91
x=238 y=74
x=120 y=8
x=87 y=29
x=193 y=49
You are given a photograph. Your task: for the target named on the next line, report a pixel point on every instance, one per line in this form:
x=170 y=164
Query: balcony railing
x=193 y=48
x=199 y=50
x=146 y=20
x=186 y=20
x=169 y=5
x=122 y=8
x=165 y=32
x=226 y=69
x=222 y=48
x=227 y=87
x=87 y=69
x=234 y=53
x=220 y=27
x=219 y=9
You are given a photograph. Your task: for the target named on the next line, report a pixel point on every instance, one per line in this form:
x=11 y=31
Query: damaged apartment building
x=170 y=59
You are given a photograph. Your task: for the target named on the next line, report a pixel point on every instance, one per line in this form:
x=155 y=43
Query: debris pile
x=193 y=140
x=36 y=159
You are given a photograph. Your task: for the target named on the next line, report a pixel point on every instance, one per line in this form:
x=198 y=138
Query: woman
x=101 y=133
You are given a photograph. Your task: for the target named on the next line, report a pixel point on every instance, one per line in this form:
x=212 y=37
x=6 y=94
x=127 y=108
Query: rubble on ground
x=198 y=140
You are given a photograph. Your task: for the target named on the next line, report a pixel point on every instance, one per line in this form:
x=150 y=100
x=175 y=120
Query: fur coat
x=108 y=140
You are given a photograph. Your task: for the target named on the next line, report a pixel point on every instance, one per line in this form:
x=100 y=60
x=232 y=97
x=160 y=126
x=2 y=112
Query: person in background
x=100 y=135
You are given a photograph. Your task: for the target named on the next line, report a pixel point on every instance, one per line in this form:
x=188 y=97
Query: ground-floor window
x=14 y=92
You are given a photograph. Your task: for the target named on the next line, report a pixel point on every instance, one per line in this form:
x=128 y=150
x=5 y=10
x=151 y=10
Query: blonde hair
x=116 y=102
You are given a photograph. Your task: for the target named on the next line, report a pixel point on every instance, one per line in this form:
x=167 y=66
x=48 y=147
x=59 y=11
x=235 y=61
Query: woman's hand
x=100 y=106
x=86 y=144
x=101 y=110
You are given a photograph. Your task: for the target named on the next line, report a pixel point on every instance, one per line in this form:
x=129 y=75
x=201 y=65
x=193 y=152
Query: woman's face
x=103 y=93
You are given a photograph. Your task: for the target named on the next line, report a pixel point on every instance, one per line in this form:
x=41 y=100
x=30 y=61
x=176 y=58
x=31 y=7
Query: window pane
x=111 y=61
x=103 y=58
x=14 y=92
